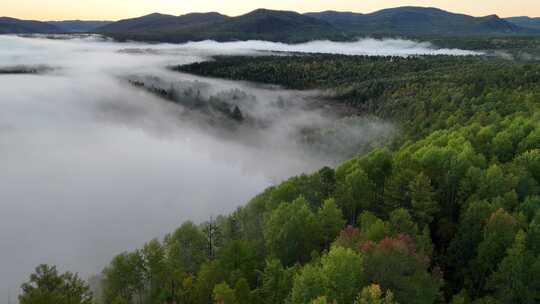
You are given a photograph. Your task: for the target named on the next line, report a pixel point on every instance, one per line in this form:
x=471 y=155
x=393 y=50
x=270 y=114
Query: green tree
x=47 y=286
x=495 y=183
x=223 y=294
x=358 y=194
x=208 y=276
x=464 y=246
x=327 y=181
x=291 y=232
x=339 y=277
x=516 y=280
x=188 y=247
x=188 y=293
x=396 y=192
x=396 y=265
x=308 y=285
x=401 y=222
x=330 y=221
x=530 y=160
x=276 y=281
x=242 y=292
x=239 y=256
x=423 y=202
x=373 y=295
x=155 y=267
x=503 y=145
x=499 y=234
x=373 y=228
x=124 y=277
x=343 y=272
x=378 y=166
x=529 y=207
x=533 y=234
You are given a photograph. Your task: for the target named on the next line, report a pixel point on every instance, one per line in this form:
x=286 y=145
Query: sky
x=121 y=9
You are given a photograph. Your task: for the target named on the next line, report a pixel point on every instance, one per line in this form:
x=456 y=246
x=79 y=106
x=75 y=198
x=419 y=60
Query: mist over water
x=92 y=166
x=368 y=46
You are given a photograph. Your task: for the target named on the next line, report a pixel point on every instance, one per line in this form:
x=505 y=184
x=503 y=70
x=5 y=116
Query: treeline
x=214 y=106
x=521 y=48
x=424 y=93
x=449 y=213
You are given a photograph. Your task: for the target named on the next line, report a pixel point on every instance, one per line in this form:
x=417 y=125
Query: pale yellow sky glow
x=120 y=9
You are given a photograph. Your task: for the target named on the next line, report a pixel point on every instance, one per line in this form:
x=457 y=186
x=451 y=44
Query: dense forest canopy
x=449 y=212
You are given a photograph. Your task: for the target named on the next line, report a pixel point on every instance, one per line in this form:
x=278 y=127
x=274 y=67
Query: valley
x=273 y=156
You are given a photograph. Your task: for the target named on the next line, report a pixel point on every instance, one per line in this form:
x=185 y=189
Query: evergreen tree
x=517 y=280
x=423 y=200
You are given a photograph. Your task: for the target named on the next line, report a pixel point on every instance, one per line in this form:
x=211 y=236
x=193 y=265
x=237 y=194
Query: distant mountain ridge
x=156 y=21
x=287 y=26
x=411 y=20
x=78 y=26
x=526 y=22
x=16 y=26
x=259 y=24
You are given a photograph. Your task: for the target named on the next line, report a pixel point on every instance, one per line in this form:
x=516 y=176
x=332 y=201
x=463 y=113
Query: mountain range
x=287 y=26
x=526 y=22
x=260 y=24
x=80 y=26
x=418 y=21
x=17 y=26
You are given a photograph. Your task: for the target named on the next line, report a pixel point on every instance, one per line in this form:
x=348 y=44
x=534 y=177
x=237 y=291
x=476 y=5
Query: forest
x=448 y=212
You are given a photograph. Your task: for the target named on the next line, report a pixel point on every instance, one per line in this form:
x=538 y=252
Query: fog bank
x=367 y=46
x=92 y=165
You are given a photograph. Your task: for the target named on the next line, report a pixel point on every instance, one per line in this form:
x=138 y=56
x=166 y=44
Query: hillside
x=138 y=23
x=165 y=28
x=78 y=26
x=276 y=26
x=17 y=26
x=259 y=24
x=526 y=22
x=447 y=213
x=418 y=21
x=287 y=26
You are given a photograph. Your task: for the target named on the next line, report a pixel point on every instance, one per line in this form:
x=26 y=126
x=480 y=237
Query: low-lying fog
x=93 y=165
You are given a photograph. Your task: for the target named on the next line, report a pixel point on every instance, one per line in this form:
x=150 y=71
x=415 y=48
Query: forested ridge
x=288 y=26
x=424 y=93
x=447 y=213
x=293 y=27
